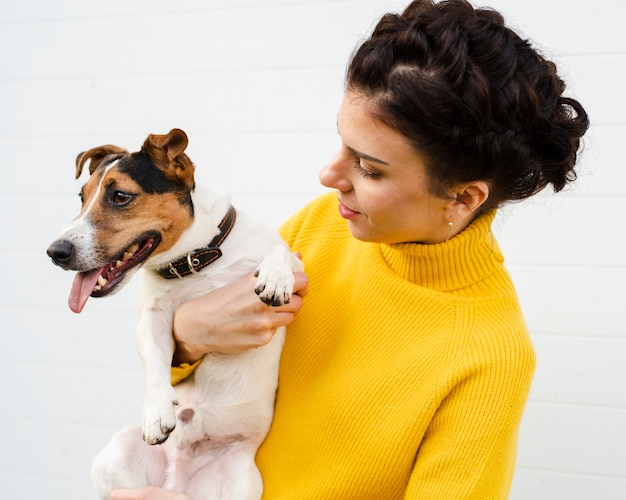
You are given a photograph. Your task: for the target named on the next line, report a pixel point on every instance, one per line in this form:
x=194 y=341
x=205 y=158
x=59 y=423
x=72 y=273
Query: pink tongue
x=82 y=288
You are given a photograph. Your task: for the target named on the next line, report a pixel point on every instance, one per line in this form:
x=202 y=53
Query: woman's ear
x=468 y=198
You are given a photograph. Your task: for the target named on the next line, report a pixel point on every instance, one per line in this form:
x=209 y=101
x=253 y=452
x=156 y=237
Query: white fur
x=231 y=397
x=81 y=231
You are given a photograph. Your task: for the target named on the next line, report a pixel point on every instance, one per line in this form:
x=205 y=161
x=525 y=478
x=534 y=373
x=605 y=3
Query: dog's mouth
x=104 y=280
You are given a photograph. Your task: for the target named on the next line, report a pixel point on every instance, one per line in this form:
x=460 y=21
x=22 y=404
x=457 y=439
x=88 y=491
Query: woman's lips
x=347 y=213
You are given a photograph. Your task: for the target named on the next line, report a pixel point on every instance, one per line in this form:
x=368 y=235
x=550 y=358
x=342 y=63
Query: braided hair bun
x=472 y=97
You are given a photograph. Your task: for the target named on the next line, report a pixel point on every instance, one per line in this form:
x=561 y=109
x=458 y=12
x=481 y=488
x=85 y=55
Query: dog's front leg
x=156 y=348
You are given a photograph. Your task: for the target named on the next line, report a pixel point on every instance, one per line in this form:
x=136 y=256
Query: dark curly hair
x=476 y=100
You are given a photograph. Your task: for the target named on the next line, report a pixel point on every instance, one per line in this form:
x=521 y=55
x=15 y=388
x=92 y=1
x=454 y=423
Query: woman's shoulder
x=500 y=335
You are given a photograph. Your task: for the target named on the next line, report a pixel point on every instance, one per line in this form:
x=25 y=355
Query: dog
x=143 y=210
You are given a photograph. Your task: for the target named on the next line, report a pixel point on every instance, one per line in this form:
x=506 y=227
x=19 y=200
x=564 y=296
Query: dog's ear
x=167 y=153
x=96 y=155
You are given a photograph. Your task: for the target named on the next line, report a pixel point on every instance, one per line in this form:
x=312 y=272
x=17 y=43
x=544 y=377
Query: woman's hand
x=147 y=493
x=231 y=319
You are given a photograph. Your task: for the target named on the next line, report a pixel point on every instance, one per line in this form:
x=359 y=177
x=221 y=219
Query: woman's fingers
x=231 y=319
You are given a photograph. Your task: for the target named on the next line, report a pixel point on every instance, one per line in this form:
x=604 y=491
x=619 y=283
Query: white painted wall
x=256 y=84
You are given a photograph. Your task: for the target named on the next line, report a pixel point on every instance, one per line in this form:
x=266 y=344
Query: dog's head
x=134 y=206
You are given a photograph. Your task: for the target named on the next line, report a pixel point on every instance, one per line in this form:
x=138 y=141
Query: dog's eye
x=121 y=198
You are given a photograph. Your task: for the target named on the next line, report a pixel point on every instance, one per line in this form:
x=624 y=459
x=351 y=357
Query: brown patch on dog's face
x=122 y=213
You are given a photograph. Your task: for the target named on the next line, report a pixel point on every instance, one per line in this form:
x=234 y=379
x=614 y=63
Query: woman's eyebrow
x=359 y=154
x=365 y=157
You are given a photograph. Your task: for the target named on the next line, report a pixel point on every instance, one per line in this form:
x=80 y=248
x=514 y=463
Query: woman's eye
x=121 y=198
x=364 y=171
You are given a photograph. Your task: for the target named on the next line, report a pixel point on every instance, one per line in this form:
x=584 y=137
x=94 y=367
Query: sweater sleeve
x=181 y=372
x=469 y=449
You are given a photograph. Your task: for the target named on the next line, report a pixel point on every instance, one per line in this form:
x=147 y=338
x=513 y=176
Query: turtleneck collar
x=461 y=261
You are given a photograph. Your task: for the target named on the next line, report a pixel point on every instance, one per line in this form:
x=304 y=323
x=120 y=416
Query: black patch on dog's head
x=152 y=180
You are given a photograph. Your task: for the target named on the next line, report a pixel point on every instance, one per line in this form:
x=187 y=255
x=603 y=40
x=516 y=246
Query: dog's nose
x=61 y=252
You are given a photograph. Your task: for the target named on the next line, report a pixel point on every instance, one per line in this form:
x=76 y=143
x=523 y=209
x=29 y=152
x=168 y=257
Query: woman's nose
x=333 y=175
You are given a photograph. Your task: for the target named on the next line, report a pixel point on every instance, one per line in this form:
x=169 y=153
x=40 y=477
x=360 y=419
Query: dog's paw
x=274 y=285
x=275 y=279
x=159 y=417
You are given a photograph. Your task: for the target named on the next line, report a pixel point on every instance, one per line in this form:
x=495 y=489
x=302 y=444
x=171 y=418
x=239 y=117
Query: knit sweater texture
x=406 y=372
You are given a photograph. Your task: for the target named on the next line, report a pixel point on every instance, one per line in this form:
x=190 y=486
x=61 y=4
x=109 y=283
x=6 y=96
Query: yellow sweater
x=404 y=375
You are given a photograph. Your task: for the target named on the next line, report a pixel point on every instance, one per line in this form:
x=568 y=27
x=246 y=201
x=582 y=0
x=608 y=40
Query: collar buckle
x=198 y=259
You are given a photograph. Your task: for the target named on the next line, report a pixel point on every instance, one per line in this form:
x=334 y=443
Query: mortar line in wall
x=28 y=308
x=178 y=75
x=587 y=406
x=330 y=131
x=102 y=16
x=571 y=473
x=38 y=476
x=578 y=336
x=20 y=420
x=559 y=265
x=84 y=368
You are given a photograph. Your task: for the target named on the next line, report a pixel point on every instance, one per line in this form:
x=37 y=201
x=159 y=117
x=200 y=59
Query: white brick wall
x=256 y=84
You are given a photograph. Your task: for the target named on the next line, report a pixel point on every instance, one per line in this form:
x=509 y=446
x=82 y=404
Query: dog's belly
x=228 y=396
x=200 y=469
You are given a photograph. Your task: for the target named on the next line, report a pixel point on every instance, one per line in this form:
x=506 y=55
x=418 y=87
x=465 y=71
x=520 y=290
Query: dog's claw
x=159 y=418
x=275 y=278
x=157 y=440
x=157 y=433
x=273 y=300
x=274 y=296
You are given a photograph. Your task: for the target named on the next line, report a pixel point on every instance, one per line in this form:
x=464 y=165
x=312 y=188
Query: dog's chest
x=162 y=294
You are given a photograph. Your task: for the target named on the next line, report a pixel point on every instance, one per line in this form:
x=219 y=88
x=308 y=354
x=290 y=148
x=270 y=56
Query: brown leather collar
x=202 y=257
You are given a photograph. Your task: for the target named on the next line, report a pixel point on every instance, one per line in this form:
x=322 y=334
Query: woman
x=406 y=372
